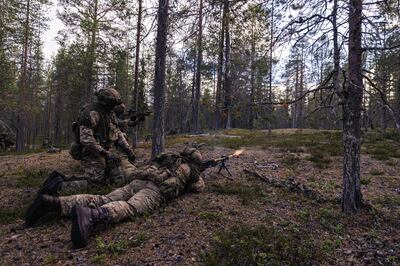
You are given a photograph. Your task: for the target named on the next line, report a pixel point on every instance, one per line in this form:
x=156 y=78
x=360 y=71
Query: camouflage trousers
x=97 y=172
x=135 y=198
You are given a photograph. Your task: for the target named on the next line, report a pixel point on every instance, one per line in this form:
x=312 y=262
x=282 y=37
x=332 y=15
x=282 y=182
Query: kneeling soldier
x=96 y=131
x=167 y=177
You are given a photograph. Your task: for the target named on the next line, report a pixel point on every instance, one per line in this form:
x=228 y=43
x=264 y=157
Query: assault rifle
x=134 y=115
x=221 y=162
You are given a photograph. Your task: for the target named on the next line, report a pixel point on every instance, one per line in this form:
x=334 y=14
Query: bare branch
x=323 y=86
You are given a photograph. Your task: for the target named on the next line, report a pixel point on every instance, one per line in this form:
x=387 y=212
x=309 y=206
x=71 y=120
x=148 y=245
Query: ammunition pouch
x=76 y=151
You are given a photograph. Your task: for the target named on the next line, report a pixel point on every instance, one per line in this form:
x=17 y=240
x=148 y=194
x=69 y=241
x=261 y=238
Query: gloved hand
x=131 y=157
x=113 y=158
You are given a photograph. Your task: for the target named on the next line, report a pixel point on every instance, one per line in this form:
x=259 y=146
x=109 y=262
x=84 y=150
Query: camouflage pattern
x=7 y=136
x=146 y=193
x=98 y=132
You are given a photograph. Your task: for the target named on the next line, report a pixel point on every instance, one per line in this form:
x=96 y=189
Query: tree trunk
x=218 y=94
x=159 y=79
x=301 y=91
x=192 y=98
x=196 y=103
x=91 y=57
x=137 y=63
x=23 y=84
x=336 y=51
x=295 y=112
x=227 y=82
x=351 y=197
x=252 y=79
x=271 y=43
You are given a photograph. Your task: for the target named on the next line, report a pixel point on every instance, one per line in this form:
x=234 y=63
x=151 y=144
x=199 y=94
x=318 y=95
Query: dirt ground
x=185 y=230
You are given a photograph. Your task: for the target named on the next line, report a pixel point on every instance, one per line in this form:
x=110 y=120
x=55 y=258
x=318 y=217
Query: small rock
x=14 y=236
x=347 y=251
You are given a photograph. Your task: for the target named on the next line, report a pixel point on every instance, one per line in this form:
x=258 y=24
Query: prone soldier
x=167 y=177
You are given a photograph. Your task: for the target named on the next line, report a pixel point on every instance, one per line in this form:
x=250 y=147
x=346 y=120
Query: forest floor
x=244 y=221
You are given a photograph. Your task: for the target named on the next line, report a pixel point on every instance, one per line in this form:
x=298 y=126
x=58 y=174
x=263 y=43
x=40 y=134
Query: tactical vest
x=100 y=131
x=172 y=161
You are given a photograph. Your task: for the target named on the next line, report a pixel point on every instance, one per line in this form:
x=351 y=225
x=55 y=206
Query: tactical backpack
x=76 y=149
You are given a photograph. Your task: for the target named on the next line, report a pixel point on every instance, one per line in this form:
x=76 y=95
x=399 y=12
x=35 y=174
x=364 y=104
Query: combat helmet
x=192 y=153
x=120 y=109
x=109 y=97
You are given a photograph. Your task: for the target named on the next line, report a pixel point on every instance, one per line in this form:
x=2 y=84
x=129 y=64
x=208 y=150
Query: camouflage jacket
x=173 y=174
x=98 y=131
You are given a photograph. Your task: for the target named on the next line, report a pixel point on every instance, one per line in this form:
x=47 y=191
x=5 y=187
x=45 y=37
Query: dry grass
x=245 y=218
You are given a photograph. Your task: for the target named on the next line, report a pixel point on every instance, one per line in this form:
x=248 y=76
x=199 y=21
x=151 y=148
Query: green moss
x=320 y=159
x=31 y=178
x=291 y=160
x=8 y=216
x=209 y=216
x=247 y=194
x=49 y=259
x=261 y=245
x=330 y=219
x=139 y=239
x=113 y=248
x=387 y=200
x=377 y=172
x=382 y=149
x=15 y=153
x=365 y=181
x=304 y=214
x=98 y=259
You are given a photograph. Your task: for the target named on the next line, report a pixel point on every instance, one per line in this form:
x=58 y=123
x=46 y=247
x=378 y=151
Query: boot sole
x=32 y=214
x=78 y=239
x=50 y=186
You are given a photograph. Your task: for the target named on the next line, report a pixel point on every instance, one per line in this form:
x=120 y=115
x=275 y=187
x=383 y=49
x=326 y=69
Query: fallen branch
x=289 y=185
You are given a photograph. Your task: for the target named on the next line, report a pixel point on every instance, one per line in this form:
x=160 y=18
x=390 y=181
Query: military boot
x=52 y=184
x=83 y=221
x=42 y=205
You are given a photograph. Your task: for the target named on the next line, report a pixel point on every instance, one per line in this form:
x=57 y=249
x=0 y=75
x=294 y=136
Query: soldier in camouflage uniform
x=167 y=177
x=7 y=136
x=96 y=131
x=123 y=122
x=123 y=125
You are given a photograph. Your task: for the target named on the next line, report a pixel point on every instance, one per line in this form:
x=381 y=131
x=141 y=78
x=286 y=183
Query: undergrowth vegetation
x=261 y=245
x=320 y=145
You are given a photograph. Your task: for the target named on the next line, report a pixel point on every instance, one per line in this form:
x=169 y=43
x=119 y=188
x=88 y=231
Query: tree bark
x=295 y=112
x=137 y=63
x=336 y=51
x=196 y=103
x=352 y=197
x=252 y=79
x=227 y=81
x=91 y=56
x=159 y=79
x=271 y=44
x=23 y=84
x=218 y=94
